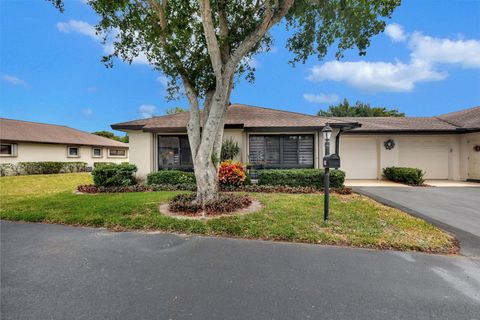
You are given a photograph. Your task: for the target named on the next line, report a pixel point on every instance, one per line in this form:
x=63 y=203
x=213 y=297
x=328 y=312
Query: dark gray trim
x=179 y=130
x=127 y=126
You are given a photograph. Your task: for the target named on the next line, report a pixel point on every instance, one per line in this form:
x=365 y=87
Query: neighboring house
x=444 y=146
x=23 y=141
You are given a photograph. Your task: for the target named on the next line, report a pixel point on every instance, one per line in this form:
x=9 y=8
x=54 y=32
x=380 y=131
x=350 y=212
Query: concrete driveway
x=456 y=209
x=59 y=272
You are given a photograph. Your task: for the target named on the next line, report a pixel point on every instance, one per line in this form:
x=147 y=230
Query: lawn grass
x=354 y=221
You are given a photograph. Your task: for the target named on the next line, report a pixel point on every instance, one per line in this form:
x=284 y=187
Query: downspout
x=337 y=142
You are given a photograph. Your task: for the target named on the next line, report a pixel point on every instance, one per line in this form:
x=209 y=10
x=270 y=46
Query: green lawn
x=355 y=220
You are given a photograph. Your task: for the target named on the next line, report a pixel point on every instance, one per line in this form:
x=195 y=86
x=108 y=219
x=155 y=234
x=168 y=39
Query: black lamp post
x=327 y=134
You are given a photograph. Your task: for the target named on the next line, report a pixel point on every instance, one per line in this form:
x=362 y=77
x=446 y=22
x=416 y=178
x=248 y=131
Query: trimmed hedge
x=300 y=178
x=41 y=167
x=172 y=177
x=114 y=175
x=412 y=176
x=101 y=164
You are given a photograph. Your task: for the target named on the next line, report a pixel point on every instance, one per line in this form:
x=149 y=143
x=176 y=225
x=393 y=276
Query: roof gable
x=237 y=115
x=467 y=119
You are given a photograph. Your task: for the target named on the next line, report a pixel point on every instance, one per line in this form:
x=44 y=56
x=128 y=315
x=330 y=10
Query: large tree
x=111 y=135
x=203 y=46
x=359 y=109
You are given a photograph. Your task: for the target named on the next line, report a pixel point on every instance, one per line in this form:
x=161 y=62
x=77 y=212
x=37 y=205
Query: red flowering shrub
x=231 y=173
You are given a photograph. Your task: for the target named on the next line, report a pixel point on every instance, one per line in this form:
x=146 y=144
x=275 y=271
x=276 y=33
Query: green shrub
x=114 y=175
x=49 y=167
x=70 y=167
x=99 y=164
x=8 y=169
x=171 y=177
x=230 y=150
x=413 y=176
x=300 y=178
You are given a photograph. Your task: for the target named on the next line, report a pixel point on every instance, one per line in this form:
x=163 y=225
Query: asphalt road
x=59 y=272
x=454 y=209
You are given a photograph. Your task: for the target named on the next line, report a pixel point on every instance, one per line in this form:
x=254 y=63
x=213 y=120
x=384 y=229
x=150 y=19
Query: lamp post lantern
x=327 y=134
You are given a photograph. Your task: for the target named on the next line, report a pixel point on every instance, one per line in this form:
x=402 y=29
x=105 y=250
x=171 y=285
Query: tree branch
x=193 y=126
x=208 y=102
x=159 y=8
x=223 y=24
x=271 y=17
x=211 y=38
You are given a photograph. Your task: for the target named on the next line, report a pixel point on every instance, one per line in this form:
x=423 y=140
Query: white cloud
x=395 y=32
x=86 y=29
x=163 y=80
x=427 y=54
x=147 y=110
x=437 y=50
x=14 y=80
x=87 y=112
x=376 y=76
x=78 y=26
x=320 y=98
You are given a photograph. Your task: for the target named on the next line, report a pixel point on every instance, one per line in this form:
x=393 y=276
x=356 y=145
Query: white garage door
x=428 y=154
x=358 y=157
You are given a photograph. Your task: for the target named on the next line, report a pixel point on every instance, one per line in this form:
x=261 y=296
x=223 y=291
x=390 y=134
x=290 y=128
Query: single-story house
x=445 y=147
x=24 y=141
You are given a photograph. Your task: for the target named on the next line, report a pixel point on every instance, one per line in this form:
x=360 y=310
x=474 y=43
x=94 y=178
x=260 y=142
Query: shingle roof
x=258 y=117
x=401 y=124
x=16 y=130
x=468 y=118
x=237 y=114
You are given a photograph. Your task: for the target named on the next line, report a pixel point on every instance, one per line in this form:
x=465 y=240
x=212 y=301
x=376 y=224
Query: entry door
x=473 y=159
x=359 y=157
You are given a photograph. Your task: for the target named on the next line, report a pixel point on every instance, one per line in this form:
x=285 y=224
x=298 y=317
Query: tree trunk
x=206 y=174
x=207 y=146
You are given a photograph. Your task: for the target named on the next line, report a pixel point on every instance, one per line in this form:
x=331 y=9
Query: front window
x=73 y=152
x=117 y=152
x=281 y=151
x=7 y=150
x=97 y=152
x=174 y=152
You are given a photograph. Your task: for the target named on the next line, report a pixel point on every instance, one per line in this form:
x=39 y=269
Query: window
x=8 y=150
x=281 y=151
x=174 y=152
x=97 y=152
x=117 y=153
x=73 y=152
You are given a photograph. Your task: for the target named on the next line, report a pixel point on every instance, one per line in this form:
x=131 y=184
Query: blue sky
x=427 y=63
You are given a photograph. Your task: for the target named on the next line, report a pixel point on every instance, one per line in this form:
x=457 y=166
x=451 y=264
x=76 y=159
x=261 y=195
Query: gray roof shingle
x=25 y=131
x=467 y=118
x=237 y=114
x=258 y=117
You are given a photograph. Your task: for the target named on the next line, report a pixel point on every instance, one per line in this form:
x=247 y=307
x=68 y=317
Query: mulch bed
x=227 y=204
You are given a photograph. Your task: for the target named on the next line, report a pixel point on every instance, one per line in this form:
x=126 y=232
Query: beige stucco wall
x=455 y=166
x=142 y=151
x=34 y=152
x=236 y=135
x=449 y=166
